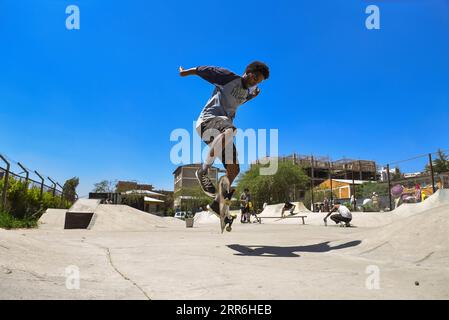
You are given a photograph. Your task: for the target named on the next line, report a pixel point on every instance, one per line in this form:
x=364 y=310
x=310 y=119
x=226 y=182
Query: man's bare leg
x=232 y=169
x=216 y=148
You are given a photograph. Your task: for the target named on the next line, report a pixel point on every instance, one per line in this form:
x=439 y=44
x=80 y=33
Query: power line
x=414 y=158
x=417 y=157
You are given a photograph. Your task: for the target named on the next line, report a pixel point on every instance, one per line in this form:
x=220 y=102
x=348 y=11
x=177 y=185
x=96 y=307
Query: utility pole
x=312 y=183
x=431 y=172
x=330 y=178
x=389 y=185
x=353 y=189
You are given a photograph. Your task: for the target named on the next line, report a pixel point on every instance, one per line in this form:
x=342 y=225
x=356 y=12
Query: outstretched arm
x=214 y=75
x=330 y=212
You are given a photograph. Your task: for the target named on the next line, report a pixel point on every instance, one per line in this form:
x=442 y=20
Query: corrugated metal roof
x=152 y=193
x=148 y=199
x=350 y=181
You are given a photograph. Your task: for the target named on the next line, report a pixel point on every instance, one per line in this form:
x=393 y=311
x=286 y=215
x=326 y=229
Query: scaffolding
x=319 y=168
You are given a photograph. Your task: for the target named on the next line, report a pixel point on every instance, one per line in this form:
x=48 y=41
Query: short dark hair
x=246 y=189
x=258 y=66
x=337 y=202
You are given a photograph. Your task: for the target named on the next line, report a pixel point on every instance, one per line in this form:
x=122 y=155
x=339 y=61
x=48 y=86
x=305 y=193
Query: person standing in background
x=418 y=192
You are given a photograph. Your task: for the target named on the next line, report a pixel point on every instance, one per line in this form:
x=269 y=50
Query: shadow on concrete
x=271 y=251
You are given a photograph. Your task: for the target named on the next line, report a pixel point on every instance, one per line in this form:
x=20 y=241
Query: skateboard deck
x=340 y=225
x=223 y=189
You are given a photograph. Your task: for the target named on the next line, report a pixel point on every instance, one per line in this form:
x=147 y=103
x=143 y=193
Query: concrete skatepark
x=128 y=254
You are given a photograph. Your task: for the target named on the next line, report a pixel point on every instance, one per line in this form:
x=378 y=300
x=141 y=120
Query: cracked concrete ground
x=268 y=261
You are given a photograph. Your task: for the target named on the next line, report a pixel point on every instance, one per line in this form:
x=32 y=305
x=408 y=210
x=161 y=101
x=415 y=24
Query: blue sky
x=100 y=102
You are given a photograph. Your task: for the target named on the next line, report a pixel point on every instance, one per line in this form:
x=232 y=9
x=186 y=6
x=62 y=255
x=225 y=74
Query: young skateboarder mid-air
x=215 y=123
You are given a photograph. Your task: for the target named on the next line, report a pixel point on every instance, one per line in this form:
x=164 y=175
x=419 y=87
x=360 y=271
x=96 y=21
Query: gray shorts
x=214 y=127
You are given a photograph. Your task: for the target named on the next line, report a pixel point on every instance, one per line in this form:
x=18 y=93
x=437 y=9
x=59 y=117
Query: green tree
x=275 y=188
x=440 y=164
x=17 y=203
x=104 y=186
x=366 y=189
x=24 y=205
x=169 y=200
x=69 y=189
x=397 y=174
x=193 y=198
x=318 y=196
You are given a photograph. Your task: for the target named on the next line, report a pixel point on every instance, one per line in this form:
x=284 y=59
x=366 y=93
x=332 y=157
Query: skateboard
x=226 y=219
x=342 y=225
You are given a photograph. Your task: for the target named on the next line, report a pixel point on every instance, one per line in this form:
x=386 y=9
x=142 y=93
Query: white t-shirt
x=344 y=211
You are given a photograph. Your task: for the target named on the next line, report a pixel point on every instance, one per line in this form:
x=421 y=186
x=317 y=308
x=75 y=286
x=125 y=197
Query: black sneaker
x=206 y=184
x=228 y=220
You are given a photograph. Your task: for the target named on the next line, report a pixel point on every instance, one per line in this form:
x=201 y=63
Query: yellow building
x=343 y=188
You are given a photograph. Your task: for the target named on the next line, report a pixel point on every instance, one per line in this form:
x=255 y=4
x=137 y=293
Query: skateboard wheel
x=228 y=229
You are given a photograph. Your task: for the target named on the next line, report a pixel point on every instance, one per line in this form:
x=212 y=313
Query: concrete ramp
x=420 y=238
x=376 y=219
x=52 y=219
x=205 y=217
x=85 y=205
x=125 y=218
x=80 y=214
x=90 y=214
x=272 y=210
x=438 y=199
x=300 y=208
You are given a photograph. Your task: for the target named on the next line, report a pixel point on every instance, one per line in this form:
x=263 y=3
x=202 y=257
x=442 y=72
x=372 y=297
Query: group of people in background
x=419 y=194
x=400 y=194
x=342 y=212
x=337 y=212
x=246 y=207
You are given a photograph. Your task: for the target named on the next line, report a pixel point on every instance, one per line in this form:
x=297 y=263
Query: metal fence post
x=5 y=186
x=360 y=170
x=42 y=183
x=27 y=174
x=54 y=185
x=389 y=185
